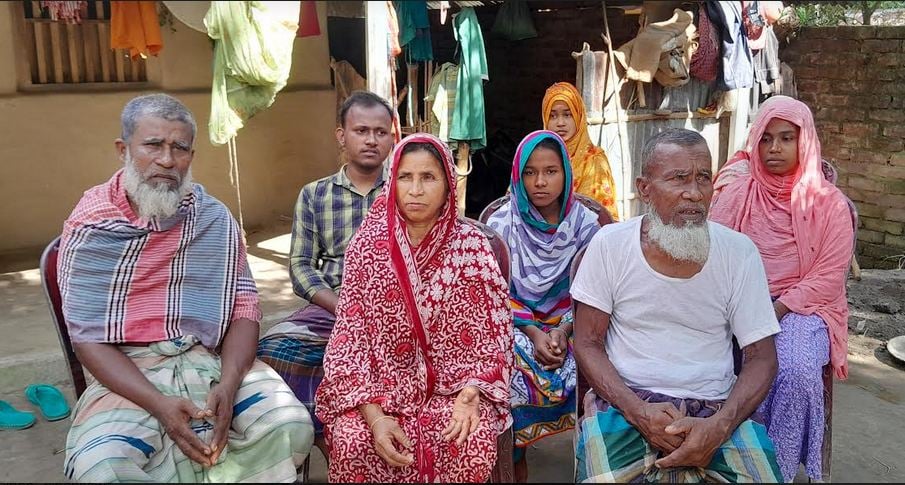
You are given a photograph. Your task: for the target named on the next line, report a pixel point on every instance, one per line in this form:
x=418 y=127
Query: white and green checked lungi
x=114 y=440
x=610 y=450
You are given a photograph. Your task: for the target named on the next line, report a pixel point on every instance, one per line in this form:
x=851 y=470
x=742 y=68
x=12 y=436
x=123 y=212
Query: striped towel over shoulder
x=125 y=279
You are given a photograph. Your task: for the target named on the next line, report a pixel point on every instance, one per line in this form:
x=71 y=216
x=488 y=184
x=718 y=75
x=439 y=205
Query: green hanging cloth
x=414 y=30
x=468 y=115
x=252 y=57
x=513 y=21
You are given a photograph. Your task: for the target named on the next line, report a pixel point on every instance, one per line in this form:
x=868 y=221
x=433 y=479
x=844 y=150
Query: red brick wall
x=853 y=78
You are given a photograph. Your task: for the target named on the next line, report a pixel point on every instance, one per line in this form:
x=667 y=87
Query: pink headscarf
x=821 y=221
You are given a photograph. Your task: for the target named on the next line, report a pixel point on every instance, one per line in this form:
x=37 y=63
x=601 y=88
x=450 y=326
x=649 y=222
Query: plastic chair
x=48 y=268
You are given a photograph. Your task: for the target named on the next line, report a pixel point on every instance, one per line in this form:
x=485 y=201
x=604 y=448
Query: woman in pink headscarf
x=802 y=227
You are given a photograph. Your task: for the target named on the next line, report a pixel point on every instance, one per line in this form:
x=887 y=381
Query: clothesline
x=675 y=115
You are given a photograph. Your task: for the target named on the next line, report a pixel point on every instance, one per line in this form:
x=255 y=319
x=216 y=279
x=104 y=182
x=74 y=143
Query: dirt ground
x=877 y=306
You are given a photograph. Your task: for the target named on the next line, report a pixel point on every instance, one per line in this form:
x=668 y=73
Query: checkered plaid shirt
x=327 y=214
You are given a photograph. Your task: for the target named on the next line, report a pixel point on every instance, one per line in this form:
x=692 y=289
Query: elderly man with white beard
x=163 y=311
x=658 y=301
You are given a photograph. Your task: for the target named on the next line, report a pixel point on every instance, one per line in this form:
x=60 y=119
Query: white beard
x=687 y=243
x=154 y=201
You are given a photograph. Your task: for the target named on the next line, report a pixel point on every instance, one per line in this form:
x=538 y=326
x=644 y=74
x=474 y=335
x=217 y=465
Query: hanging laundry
x=661 y=51
x=785 y=85
x=66 y=12
x=444 y=7
x=592 y=78
x=757 y=15
x=308 y=23
x=394 y=50
x=443 y=95
x=414 y=30
x=468 y=116
x=252 y=58
x=393 y=26
x=737 y=70
x=754 y=24
x=771 y=10
x=134 y=26
x=513 y=21
x=766 y=61
x=705 y=63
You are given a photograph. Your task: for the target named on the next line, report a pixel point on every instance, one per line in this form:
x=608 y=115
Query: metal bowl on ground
x=896 y=347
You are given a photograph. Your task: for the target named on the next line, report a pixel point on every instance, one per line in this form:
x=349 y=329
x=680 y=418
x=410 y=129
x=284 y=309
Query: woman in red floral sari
x=417 y=371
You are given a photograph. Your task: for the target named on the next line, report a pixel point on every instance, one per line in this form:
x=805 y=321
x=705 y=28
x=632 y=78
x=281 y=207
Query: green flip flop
x=12 y=418
x=50 y=401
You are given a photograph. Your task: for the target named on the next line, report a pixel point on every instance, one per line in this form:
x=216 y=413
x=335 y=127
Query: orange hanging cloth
x=308 y=24
x=134 y=26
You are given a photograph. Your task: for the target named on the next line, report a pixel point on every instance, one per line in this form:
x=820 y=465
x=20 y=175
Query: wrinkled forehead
x=149 y=126
x=445 y=161
x=669 y=157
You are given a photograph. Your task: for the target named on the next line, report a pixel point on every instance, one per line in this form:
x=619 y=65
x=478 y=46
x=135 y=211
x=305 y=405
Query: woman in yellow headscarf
x=564 y=114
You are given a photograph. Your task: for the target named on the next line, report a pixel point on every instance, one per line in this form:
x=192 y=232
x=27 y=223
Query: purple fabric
x=299 y=357
x=793 y=409
x=318 y=319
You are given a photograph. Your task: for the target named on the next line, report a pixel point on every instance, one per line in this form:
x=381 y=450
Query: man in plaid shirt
x=327 y=214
